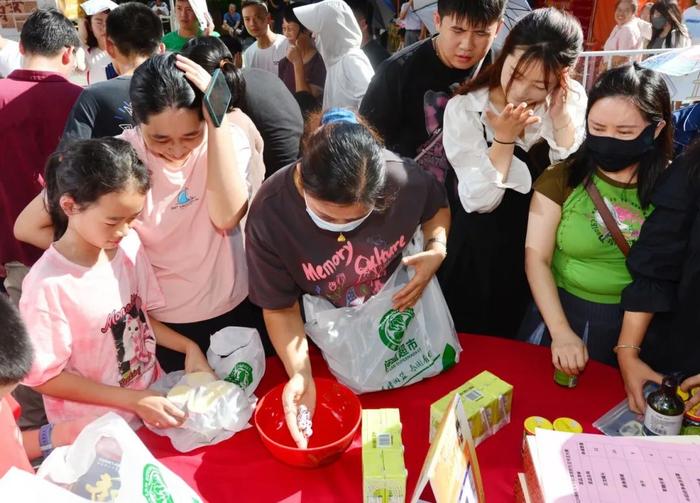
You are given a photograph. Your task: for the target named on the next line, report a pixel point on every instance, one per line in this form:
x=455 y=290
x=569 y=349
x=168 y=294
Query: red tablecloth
x=241 y=469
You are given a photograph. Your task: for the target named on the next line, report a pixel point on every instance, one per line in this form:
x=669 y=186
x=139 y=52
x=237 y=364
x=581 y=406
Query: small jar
x=564 y=379
x=567 y=425
x=531 y=423
x=691 y=422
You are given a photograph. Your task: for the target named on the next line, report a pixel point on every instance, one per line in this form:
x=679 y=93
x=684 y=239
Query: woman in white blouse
x=522 y=108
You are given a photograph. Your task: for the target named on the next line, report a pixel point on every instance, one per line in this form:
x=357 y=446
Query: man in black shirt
x=134 y=34
x=376 y=52
x=276 y=114
x=406 y=97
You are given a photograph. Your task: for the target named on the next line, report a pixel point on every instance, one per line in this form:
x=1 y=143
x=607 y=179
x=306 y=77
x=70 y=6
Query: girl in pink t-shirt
x=86 y=300
x=201 y=181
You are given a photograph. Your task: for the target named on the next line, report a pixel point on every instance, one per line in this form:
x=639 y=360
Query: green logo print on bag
x=154 y=488
x=393 y=326
x=241 y=374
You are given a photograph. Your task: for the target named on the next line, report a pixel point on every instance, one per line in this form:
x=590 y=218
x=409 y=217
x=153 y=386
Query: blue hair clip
x=338 y=115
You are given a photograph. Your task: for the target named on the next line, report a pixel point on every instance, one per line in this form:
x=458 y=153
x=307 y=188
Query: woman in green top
x=575 y=268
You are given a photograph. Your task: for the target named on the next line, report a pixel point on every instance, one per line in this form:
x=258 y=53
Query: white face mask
x=332 y=227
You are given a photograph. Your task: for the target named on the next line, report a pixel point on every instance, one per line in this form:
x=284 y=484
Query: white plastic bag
x=236 y=354
x=18 y=485
x=222 y=417
x=373 y=347
x=108 y=462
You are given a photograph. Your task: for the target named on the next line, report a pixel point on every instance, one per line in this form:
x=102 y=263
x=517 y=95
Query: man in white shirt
x=411 y=23
x=691 y=18
x=161 y=8
x=269 y=47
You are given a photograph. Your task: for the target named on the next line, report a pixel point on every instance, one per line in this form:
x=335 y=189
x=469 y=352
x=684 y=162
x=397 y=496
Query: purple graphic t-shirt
x=288 y=255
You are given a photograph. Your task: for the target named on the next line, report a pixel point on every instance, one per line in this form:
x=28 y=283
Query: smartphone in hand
x=217 y=97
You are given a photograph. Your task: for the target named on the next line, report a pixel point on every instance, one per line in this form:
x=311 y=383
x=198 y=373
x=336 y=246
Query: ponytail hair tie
x=338 y=115
x=224 y=61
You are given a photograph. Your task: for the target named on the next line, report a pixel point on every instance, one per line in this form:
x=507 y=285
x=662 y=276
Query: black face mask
x=612 y=154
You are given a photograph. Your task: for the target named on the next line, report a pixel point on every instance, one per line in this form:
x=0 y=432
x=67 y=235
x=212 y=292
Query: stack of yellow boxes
x=383 y=470
x=487 y=402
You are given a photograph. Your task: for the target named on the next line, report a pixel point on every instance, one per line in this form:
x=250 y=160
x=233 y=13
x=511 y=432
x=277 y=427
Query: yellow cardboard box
x=487 y=402
x=383 y=470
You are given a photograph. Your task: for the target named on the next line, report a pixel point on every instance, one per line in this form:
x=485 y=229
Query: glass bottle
x=664 y=412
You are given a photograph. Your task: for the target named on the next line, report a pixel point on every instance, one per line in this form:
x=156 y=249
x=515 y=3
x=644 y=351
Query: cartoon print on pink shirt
x=133 y=339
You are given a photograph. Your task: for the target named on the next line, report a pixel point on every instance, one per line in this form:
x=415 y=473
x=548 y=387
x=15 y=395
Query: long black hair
x=211 y=53
x=647 y=90
x=548 y=36
x=157 y=84
x=674 y=17
x=289 y=16
x=87 y=170
x=343 y=163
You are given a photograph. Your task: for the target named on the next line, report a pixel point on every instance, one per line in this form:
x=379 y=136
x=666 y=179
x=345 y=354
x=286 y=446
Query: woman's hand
x=300 y=389
x=426 y=265
x=195 y=361
x=294 y=55
x=687 y=386
x=199 y=77
x=635 y=374
x=557 y=104
x=511 y=122
x=569 y=353
x=156 y=410
x=194 y=72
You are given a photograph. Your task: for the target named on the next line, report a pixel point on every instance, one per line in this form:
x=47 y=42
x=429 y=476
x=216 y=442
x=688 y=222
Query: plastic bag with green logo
x=108 y=462
x=236 y=354
x=373 y=346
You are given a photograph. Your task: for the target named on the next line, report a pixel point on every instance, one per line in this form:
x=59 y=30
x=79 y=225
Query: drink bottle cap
x=669 y=382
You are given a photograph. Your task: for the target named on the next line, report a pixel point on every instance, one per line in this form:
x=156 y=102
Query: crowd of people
x=133 y=227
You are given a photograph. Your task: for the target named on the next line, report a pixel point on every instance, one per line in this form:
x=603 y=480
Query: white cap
x=92 y=7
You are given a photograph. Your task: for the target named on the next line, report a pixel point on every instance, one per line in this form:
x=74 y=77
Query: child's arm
x=63 y=434
x=34 y=225
x=151 y=407
x=195 y=361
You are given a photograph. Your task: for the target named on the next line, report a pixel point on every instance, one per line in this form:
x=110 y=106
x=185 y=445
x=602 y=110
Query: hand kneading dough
x=205 y=396
x=197 y=379
x=179 y=394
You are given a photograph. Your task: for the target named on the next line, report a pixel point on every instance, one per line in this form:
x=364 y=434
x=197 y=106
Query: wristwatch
x=45 y=439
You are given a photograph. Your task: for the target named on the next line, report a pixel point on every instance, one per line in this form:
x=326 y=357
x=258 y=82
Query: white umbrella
x=681 y=71
x=514 y=10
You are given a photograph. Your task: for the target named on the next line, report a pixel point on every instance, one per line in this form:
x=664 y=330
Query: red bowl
x=336 y=420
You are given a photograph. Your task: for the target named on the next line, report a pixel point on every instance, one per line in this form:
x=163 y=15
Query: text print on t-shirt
x=133 y=339
x=347 y=263
x=124 y=116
